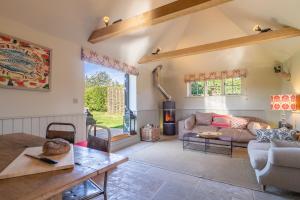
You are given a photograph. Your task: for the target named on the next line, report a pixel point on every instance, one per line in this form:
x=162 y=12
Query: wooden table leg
x=105 y=185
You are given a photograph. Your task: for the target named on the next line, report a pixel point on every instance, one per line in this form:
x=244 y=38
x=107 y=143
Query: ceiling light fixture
x=106 y=20
x=259 y=29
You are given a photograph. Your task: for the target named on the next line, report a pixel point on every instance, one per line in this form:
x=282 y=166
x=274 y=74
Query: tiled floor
x=138 y=181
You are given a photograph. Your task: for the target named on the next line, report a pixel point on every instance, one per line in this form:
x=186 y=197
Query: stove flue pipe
x=155 y=74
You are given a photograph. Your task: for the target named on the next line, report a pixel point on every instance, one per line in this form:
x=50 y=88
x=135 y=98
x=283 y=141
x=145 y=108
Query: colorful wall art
x=24 y=65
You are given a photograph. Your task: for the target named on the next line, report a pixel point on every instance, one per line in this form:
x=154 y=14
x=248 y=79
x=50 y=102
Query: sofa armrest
x=284 y=157
x=190 y=122
x=180 y=125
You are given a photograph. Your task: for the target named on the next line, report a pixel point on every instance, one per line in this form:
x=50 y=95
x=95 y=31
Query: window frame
x=190 y=89
x=206 y=88
x=232 y=86
x=189 y=94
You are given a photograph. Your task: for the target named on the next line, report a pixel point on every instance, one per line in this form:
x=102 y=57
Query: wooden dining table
x=50 y=185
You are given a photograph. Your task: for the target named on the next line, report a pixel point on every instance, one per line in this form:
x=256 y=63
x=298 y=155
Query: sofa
x=240 y=129
x=276 y=166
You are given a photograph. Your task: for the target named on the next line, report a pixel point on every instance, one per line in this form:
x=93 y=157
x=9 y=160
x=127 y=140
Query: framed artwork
x=24 y=65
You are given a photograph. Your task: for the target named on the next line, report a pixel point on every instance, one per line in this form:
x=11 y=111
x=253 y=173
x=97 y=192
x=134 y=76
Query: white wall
x=67 y=79
x=293 y=86
x=147 y=98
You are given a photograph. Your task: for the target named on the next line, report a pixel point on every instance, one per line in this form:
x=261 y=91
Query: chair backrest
x=67 y=135
x=99 y=142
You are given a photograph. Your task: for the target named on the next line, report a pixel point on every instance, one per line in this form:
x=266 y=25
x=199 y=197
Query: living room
x=211 y=84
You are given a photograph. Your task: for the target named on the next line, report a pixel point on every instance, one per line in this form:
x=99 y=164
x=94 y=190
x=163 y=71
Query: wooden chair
x=89 y=189
x=67 y=135
x=99 y=143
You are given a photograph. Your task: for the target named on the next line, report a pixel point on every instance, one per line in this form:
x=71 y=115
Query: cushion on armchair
x=189 y=122
x=286 y=134
x=266 y=135
x=203 y=118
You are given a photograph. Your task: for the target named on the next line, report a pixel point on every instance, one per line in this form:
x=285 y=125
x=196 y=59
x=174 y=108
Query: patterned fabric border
x=284 y=102
x=215 y=75
x=91 y=56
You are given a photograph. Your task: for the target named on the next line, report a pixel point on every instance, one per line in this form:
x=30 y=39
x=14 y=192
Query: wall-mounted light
x=282 y=74
x=106 y=20
x=156 y=51
x=257 y=28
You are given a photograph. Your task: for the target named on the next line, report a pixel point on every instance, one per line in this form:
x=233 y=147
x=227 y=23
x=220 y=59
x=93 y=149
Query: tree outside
x=99 y=100
x=95 y=98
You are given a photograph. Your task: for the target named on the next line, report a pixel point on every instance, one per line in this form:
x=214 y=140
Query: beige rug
x=170 y=155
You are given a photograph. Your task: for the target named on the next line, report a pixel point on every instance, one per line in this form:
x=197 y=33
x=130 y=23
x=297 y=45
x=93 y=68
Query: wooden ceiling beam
x=158 y=15
x=283 y=33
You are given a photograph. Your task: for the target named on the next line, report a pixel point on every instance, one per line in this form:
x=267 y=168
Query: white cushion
x=253 y=126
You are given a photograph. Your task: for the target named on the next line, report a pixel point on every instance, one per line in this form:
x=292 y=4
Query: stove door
x=169 y=116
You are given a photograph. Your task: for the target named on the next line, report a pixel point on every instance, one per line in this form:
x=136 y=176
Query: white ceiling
x=74 y=20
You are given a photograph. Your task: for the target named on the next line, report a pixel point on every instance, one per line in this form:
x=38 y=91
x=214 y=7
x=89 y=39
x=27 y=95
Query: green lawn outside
x=109 y=120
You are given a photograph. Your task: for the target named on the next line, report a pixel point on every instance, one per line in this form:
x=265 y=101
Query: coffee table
x=214 y=144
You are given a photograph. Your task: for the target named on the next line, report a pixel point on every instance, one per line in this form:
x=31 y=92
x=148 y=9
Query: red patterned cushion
x=222 y=121
x=239 y=122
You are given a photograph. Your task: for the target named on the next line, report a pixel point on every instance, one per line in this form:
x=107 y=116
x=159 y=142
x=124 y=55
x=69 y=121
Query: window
x=229 y=86
x=214 y=87
x=197 y=88
x=233 y=86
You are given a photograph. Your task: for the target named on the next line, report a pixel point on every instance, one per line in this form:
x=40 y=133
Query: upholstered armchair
x=275 y=166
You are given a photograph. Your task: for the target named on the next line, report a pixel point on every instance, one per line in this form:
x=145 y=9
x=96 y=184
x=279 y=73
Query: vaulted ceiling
x=74 y=20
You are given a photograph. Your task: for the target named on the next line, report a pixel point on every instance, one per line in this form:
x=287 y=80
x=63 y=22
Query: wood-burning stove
x=169 y=123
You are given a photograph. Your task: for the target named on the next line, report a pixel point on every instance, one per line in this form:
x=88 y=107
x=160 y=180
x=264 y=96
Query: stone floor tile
x=272 y=196
x=210 y=190
x=115 y=193
x=171 y=176
x=174 y=190
x=135 y=182
x=134 y=148
x=135 y=167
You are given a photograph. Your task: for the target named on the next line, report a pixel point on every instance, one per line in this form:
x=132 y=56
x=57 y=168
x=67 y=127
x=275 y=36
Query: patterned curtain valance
x=215 y=75
x=91 y=56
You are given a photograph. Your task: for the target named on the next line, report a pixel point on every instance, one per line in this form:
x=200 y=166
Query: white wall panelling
x=36 y=125
x=7 y=126
x=27 y=125
x=17 y=125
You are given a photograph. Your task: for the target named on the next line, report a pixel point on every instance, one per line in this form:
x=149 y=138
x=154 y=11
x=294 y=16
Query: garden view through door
x=104 y=96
